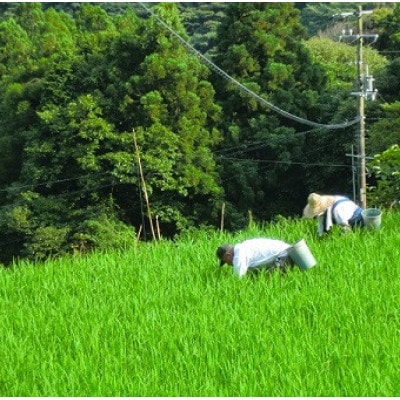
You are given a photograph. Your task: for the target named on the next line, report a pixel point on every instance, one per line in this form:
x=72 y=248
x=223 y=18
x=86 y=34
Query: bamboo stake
x=139 y=232
x=222 y=217
x=143 y=185
x=250 y=219
x=158 y=228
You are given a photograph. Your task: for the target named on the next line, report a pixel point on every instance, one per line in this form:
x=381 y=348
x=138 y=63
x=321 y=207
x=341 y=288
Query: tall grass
x=162 y=319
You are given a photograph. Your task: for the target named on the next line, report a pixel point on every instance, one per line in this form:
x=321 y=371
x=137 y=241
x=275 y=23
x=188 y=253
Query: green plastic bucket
x=301 y=255
x=372 y=218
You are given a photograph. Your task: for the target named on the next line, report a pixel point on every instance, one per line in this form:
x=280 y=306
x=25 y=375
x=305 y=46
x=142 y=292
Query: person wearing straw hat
x=253 y=254
x=333 y=210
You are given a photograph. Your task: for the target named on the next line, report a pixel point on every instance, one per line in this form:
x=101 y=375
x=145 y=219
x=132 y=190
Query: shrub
x=102 y=233
x=45 y=242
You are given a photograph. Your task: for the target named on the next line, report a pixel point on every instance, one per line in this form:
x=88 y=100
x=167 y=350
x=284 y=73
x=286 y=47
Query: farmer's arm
x=321 y=227
x=240 y=263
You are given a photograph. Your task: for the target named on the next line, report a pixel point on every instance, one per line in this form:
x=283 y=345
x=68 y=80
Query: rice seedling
x=162 y=319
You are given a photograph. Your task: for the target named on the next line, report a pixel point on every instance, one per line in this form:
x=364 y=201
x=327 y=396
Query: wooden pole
x=222 y=217
x=361 y=112
x=143 y=185
x=139 y=232
x=250 y=219
x=158 y=228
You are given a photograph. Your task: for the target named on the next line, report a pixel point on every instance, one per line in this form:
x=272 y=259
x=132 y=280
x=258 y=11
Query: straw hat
x=317 y=204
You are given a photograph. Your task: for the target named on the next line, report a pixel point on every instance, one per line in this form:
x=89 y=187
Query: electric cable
x=244 y=88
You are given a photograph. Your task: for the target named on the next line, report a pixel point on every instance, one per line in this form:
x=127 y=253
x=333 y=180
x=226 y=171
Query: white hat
x=317 y=204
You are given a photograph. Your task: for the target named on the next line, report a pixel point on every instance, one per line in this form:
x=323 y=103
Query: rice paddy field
x=163 y=319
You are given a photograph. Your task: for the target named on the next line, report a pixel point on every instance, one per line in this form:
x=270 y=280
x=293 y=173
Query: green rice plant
x=163 y=319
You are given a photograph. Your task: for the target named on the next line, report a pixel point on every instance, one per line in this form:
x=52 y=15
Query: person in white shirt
x=255 y=253
x=330 y=210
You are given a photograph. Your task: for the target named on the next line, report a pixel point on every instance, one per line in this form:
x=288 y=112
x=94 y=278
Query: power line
x=286 y=162
x=244 y=147
x=244 y=88
x=48 y=183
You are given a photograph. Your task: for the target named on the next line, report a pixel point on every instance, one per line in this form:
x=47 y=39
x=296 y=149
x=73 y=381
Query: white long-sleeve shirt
x=253 y=253
x=341 y=215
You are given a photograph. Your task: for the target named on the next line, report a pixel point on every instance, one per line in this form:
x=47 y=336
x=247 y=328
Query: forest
x=148 y=120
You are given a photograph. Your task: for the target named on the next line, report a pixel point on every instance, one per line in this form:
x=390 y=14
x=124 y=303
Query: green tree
x=318 y=16
x=161 y=91
x=387 y=22
x=339 y=61
x=201 y=21
x=387 y=81
x=330 y=147
x=385 y=168
x=260 y=45
x=72 y=112
x=386 y=131
x=56 y=134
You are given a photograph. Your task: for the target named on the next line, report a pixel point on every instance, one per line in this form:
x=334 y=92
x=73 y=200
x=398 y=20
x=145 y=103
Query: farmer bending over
x=330 y=210
x=255 y=253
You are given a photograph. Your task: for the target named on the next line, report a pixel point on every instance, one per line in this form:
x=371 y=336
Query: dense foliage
x=90 y=93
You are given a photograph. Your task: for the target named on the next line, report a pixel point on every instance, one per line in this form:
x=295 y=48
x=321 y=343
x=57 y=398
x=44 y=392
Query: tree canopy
x=90 y=93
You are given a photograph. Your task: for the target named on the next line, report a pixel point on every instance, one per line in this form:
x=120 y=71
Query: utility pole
x=361 y=107
x=365 y=90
